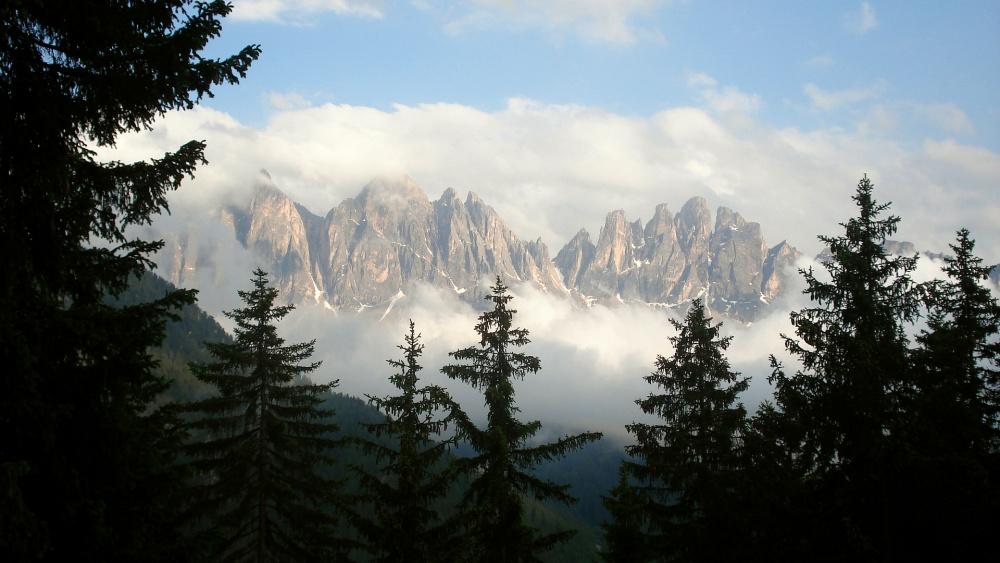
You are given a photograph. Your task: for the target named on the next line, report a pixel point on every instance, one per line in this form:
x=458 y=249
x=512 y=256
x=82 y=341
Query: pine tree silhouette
x=415 y=473
x=845 y=402
x=264 y=441
x=686 y=466
x=503 y=457
x=85 y=459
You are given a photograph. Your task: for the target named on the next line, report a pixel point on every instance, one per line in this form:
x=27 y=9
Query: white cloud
x=880 y=119
x=606 y=21
x=974 y=162
x=863 y=20
x=946 y=116
x=301 y=11
x=723 y=100
x=283 y=101
x=832 y=99
x=593 y=360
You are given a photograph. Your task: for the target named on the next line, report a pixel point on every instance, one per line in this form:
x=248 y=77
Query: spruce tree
x=953 y=419
x=845 y=401
x=503 y=458
x=83 y=456
x=263 y=441
x=686 y=466
x=624 y=532
x=414 y=474
x=959 y=356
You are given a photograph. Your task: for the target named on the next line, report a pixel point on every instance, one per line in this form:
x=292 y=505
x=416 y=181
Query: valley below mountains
x=368 y=252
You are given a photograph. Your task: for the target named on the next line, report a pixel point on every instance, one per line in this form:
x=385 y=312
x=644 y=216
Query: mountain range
x=367 y=252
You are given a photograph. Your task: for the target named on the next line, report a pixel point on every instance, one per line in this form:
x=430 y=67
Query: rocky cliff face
x=367 y=252
x=676 y=258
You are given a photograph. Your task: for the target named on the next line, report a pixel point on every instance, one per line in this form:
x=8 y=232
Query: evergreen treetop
x=414 y=477
x=959 y=353
x=851 y=343
x=503 y=458
x=843 y=408
x=263 y=440
x=686 y=465
x=953 y=416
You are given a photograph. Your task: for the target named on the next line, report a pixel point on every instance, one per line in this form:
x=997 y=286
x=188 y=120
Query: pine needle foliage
x=954 y=415
x=415 y=472
x=500 y=468
x=959 y=353
x=264 y=440
x=844 y=403
x=686 y=466
x=83 y=457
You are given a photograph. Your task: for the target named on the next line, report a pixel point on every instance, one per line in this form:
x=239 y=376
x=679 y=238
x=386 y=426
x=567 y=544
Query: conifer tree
x=502 y=461
x=687 y=464
x=264 y=441
x=80 y=447
x=959 y=355
x=414 y=475
x=953 y=419
x=624 y=533
x=845 y=400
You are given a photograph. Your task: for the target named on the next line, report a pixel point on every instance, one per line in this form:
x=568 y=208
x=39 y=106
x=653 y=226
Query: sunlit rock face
x=366 y=253
x=677 y=258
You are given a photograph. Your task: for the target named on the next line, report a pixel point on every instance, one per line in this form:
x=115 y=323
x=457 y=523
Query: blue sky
x=908 y=69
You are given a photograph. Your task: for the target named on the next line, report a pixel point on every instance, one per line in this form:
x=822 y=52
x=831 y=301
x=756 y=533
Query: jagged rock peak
x=580 y=236
x=676 y=258
x=368 y=250
x=725 y=217
x=696 y=207
x=264 y=186
x=448 y=196
x=695 y=216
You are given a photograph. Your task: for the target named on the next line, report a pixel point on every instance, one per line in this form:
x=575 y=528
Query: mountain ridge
x=368 y=251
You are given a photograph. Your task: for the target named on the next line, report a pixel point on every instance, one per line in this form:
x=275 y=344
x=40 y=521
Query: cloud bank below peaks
x=593 y=360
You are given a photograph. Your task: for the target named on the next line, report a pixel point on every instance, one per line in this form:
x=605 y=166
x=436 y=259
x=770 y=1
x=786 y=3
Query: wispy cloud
x=946 y=116
x=833 y=99
x=726 y=99
x=862 y=20
x=284 y=101
x=606 y=21
x=302 y=11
